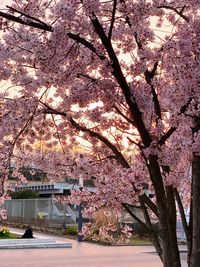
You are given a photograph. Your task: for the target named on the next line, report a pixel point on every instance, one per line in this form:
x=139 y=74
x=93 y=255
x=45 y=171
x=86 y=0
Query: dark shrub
x=24 y=194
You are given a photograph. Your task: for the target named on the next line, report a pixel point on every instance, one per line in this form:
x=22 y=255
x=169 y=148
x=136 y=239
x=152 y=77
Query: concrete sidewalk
x=81 y=255
x=37 y=242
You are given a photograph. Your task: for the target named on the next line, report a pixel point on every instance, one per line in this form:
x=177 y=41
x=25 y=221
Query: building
x=51 y=189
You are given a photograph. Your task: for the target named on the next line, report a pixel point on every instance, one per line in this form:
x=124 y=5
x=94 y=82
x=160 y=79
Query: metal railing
x=41 y=211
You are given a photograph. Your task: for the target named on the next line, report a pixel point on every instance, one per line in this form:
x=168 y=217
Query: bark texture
x=195 y=255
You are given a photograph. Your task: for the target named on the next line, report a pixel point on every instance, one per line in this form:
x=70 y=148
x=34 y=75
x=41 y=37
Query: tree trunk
x=187 y=227
x=166 y=216
x=171 y=257
x=172 y=225
x=195 y=255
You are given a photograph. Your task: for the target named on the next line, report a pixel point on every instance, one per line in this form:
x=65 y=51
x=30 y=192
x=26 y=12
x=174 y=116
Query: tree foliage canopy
x=124 y=77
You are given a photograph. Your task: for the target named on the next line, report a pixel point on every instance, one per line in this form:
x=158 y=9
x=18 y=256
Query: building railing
x=41 y=211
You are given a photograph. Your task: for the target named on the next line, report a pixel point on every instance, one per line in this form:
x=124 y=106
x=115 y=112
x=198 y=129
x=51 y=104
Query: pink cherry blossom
x=106 y=91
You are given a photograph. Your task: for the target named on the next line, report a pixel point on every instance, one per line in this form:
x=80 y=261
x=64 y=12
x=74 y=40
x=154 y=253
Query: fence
x=44 y=211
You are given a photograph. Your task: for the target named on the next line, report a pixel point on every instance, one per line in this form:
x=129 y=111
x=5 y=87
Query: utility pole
x=80 y=216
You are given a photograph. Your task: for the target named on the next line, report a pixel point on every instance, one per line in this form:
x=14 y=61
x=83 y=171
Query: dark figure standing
x=28 y=233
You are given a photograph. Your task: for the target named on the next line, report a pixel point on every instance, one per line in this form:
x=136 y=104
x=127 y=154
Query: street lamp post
x=80 y=216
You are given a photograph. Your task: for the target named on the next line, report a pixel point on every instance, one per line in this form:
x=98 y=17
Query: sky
x=3 y=3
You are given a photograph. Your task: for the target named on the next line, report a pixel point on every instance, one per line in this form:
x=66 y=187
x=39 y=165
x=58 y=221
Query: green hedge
x=24 y=194
x=71 y=230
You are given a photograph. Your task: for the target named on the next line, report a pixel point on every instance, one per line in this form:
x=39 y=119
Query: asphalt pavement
x=80 y=255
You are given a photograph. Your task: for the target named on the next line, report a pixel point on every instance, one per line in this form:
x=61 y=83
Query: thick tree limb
x=149 y=75
x=156 y=177
x=125 y=206
x=139 y=44
x=118 y=74
x=183 y=217
x=164 y=138
x=41 y=26
x=172 y=223
x=154 y=235
x=150 y=204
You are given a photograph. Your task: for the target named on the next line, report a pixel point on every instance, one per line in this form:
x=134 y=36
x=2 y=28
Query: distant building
x=49 y=189
x=31 y=174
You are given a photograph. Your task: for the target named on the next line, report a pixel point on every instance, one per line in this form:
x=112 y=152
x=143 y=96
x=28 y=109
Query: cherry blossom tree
x=122 y=78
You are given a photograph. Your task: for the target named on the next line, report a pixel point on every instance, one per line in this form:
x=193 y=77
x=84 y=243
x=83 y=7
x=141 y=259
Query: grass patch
x=133 y=241
x=11 y=236
x=138 y=241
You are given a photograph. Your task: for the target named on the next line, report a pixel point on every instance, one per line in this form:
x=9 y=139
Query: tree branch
x=118 y=74
x=149 y=77
x=164 y=138
x=154 y=235
x=149 y=203
x=76 y=37
x=113 y=19
x=180 y=13
x=124 y=116
x=119 y=157
x=26 y=15
x=183 y=217
x=172 y=129
x=125 y=206
x=43 y=26
x=100 y=137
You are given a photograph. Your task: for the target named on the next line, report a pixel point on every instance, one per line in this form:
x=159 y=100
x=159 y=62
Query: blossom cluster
x=99 y=92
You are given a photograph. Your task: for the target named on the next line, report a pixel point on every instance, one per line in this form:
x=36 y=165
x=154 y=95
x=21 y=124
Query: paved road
x=81 y=255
